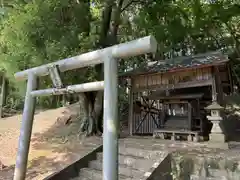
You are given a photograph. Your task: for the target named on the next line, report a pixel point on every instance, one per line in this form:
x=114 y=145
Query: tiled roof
x=179 y=63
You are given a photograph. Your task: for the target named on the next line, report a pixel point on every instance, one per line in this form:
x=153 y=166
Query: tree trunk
x=98 y=108
x=85 y=110
x=92 y=110
x=91 y=119
x=3 y=95
x=108 y=37
x=111 y=29
x=234 y=37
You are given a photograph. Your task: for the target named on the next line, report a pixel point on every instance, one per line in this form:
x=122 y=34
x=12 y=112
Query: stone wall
x=163 y=171
x=185 y=166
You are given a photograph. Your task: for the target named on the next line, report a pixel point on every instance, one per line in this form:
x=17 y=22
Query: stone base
x=217 y=145
x=189 y=138
x=218 y=138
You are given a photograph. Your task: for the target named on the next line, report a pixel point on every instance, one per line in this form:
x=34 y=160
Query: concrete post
x=110 y=133
x=26 y=130
x=110 y=143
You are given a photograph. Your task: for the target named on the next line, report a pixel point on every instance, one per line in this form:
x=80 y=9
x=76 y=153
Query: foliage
x=38 y=32
x=187 y=27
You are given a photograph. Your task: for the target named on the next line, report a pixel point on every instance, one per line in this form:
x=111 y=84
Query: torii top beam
x=140 y=46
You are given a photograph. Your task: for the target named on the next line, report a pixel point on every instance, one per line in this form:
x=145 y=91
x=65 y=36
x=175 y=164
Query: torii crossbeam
x=109 y=57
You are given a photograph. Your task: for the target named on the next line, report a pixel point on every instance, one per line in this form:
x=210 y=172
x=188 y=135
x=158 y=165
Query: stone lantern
x=215 y=117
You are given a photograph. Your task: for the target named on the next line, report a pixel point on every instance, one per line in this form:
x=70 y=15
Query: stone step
x=80 y=178
x=162 y=145
x=138 y=145
x=224 y=174
x=95 y=174
x=196 y=177
x=145 y=144
x=157 y=144
x=217 y=173
x=122 y=169
x=134 y=162
x=90 y=173
x=144 y=153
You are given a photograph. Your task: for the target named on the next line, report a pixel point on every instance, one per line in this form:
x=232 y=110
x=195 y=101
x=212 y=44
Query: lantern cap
x=214 y=106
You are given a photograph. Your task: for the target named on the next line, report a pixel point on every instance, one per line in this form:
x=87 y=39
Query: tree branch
x=131 y=2
x=106 y=19
x=115 y=23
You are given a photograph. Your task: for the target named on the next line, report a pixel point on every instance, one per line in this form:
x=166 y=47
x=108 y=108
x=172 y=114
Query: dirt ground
x=53 y=144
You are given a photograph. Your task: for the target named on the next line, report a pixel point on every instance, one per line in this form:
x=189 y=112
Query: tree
x=30 y=36
x=108 y=36
x=109 y=27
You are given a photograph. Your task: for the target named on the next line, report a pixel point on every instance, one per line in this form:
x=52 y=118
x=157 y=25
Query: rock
x=2 y=166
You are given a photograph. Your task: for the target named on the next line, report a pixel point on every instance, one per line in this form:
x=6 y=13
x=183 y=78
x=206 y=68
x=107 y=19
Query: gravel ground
x=53 y=144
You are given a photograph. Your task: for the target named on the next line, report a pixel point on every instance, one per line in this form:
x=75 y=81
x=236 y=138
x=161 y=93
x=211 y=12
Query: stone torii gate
x=109 y=57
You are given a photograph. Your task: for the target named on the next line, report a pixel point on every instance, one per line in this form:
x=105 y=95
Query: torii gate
x=109 y=57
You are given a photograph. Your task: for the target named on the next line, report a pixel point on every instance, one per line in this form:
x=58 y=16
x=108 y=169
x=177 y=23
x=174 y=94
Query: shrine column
x=214 y=88
x=130 y=115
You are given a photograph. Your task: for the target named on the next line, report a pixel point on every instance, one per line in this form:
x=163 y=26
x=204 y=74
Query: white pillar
x=111 y=127
x=26 y=130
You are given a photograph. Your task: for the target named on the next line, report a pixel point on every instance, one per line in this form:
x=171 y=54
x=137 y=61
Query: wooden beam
x=229 y=69
x=175 y=102
x=162 y=115
x=130 y=115
x=141 y=121
x=226 y=84
x=163 y=87
x=158 y=96
x=189 y=116
x=219 y=87
x=199 y=115
x=214 y=90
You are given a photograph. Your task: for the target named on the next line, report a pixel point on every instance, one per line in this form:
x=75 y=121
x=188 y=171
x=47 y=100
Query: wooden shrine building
x=171 y=95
